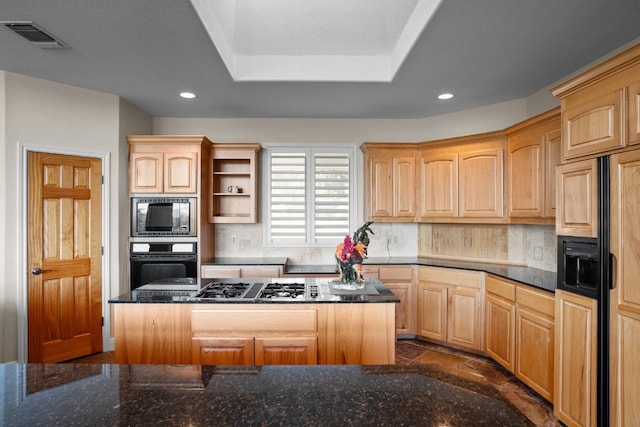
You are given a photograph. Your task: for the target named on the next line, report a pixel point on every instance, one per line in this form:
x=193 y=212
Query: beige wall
x=52 y=116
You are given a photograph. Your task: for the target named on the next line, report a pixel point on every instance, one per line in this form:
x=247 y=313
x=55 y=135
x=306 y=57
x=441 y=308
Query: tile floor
x=453 y=362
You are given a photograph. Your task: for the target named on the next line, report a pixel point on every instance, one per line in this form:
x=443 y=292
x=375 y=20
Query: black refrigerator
x=585 y=268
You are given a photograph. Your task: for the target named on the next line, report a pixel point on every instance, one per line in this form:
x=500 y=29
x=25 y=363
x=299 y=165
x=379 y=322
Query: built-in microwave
x=163 y=216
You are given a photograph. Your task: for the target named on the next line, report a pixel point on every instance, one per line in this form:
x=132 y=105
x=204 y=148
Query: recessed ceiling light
x=445 y=96
x=187 y=95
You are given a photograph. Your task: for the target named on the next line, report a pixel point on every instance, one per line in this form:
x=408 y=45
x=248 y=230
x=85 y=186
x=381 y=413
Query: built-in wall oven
x=153 y=261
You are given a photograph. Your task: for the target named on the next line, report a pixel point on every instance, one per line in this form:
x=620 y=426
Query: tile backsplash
x=531 y=245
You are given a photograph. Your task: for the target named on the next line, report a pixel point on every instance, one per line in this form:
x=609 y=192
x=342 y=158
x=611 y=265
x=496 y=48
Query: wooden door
x=64 y=290
x=625 y=295
x=481 y=185
x=438 y=185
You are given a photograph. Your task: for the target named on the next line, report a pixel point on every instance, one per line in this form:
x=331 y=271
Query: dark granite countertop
x=179 y=395
x=541 y=279
x=179 y=291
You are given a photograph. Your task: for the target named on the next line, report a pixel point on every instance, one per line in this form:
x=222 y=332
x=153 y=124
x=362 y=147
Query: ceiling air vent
x=35 y=34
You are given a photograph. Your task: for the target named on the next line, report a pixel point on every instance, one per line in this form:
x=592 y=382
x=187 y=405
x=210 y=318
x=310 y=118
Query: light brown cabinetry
x=532 y=156
x=460 y=183
x=500 y=318
x=519 y=332
x=625 y=296
x=535 y=334
x=390 y=182
x=577 y=199
x=165 y=163
x=450 y=306
x=575 y=388
x=399 y=279
x=233 y=183
x=330 y=334
x=600 y=107
x=152 y=333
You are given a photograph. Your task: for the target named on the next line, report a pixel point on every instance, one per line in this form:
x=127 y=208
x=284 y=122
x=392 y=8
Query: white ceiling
x=147 y=51
x=314 y=40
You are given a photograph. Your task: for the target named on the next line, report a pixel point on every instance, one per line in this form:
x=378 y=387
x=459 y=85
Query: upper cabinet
x=233 y=183
x=390 y=182
x=532 y=156
x=577 y=199
x=600 y=107
x=165 y=163
x=462 y=182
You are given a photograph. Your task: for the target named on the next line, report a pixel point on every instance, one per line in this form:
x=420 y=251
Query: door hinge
x=102 y=320
x=102 y=179
x=102 y=250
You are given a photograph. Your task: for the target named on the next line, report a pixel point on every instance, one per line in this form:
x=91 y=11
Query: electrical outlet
x=234 y=239
x=537 y=253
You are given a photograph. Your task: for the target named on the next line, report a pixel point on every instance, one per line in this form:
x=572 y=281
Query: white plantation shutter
x=309 y=198
x=331 y=197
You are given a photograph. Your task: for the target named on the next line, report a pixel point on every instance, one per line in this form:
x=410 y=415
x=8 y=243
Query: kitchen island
x=178 y=395
x=260 y=325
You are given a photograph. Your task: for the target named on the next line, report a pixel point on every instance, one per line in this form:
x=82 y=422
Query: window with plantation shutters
x=309 y=195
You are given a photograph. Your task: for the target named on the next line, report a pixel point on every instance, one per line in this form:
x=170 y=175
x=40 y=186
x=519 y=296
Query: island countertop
x=178 y=395
x=186 y=291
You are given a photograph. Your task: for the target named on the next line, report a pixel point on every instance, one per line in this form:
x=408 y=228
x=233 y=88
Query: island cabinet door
x=286 y=351
x=223 y=351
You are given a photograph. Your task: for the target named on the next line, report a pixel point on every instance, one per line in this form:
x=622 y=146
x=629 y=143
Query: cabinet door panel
x=633 y=133
x=553 y=142
x=180 y=172
x=577 y=196
x=381 y=187
x=625 y=296
x=592 y=125
x=464 y=318
x=481 y=183
x=404 y=187
x=526 y=179
x=432 y=311
x=146 y=173
x=534 y=340
x=286 y=351
x=439 y=185
x=575 y=359
x=223 y=351
x=404 y=313
x=499 y=330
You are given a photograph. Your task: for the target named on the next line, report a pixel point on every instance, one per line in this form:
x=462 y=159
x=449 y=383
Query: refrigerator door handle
x=612 y=270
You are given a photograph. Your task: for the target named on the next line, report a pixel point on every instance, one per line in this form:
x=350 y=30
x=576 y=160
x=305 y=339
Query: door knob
x=37 y=271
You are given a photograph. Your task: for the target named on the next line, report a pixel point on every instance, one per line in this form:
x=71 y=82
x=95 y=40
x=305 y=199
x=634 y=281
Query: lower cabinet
x=255 y=334
x=519 y=332
x=450 y=306
x=255 y=351
x=399 y=279
x=575 y=387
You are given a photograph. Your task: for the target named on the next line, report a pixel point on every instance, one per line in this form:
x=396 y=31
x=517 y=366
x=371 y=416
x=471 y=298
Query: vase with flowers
x=350 y=254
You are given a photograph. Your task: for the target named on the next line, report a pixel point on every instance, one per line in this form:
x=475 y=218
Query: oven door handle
x=174 y=258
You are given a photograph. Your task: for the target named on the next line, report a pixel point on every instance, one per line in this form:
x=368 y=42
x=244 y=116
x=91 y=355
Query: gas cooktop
x=278 y=291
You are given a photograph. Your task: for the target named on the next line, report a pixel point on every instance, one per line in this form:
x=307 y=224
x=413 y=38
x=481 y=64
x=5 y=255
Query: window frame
x=309 y=150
